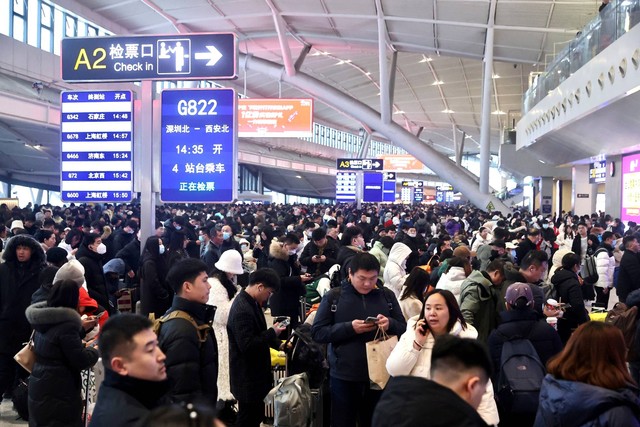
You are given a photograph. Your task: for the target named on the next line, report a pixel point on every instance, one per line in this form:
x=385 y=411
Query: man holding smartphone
x=320 y=255
x=347 y=319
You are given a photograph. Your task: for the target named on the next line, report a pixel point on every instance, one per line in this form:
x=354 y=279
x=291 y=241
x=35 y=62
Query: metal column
x=485 y=128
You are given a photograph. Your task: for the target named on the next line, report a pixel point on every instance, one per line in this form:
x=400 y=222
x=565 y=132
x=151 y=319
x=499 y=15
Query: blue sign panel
x=199 y=150
x=96 y=149
x=372 y=187
x=389 y=187
x=418 y=195
x=346 y=186
x=133 y=58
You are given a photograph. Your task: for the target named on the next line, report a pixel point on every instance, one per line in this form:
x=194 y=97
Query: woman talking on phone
x=440 y=315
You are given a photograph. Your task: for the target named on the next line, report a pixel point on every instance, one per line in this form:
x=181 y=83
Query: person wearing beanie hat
x=72 y=270
x=520 y=320
x=224 y=288
x=57 y=256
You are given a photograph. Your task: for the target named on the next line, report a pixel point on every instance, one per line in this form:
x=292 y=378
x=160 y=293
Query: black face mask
x=494 y=254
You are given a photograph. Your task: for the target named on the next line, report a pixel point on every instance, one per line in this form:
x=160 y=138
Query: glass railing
x=610 y=24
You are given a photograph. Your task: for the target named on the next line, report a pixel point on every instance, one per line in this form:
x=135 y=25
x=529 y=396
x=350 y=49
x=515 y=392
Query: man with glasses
x=348 y=318
x=249 y=343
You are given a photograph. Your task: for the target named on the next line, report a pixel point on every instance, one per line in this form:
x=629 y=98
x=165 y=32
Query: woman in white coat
x=224 y=288
x=395 y=272
x=458 y=268
x=412 y=355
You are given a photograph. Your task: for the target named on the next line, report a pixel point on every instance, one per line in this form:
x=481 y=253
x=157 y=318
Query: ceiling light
x=447 y=111
x=368 y=73
x=398 y=112
x=37 y=146
x=498 y=113
x=425 y=59
x=345 y=61
x=437 y=82
x=496 y=76
x=298 y=176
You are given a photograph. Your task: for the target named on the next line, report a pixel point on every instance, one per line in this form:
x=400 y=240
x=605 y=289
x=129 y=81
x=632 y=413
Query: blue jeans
x=351 y=402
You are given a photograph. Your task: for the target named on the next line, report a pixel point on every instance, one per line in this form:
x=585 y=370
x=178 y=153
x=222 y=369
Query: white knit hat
x=230 y=262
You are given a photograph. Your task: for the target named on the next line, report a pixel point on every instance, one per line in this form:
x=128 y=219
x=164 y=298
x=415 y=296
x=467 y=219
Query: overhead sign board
x=96 y=149
x=275 y=118
x=419 y=184
x=598 y=172
x=359 y=164
x=389 y=187
x=199 y=150
x=403 y=163
x=133 y=58
x=373 y=186
x=346 y=183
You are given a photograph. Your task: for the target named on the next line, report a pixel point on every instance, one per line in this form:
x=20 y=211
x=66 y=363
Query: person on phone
x=440 y=316
x=320 y=255
x=341 y=321
x=283 y=259
x=249 y=343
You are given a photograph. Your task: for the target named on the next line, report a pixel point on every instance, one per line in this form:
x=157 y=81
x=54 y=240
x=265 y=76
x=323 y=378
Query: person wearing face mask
x=123 y=236
x=283 y=259
x=156 y=294
x=90 y=254
x=224 y=288
x=410 y=239
x=352 y=243
x=229 y=242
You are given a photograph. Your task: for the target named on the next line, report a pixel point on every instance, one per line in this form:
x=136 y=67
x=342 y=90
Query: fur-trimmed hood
x=37 y=253
x=277 y=251
x=40 y=315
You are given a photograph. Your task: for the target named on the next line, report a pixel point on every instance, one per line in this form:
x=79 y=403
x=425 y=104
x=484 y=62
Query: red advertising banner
x=292 y=118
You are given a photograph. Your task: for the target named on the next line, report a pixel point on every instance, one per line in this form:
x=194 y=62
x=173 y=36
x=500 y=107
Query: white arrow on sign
x=376 y=164
x=213 y=55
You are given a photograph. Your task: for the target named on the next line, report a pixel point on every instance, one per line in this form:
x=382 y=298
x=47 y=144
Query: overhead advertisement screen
x=630 y=209
x=281 y=118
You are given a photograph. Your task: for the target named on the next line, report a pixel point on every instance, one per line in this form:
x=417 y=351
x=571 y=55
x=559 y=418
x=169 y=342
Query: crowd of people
x=459 y=287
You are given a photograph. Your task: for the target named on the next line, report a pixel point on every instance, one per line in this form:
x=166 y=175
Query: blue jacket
x=572 y=403
x=347 y=353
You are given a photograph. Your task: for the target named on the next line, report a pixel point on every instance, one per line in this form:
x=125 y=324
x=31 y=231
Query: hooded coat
x=395 y=273
x=96 y=283
x=156 y=294
x=286 y=302
x=452 y=281
x=568 y=289
x=572 y=403
x=54 y=384
x=479 y=304
x=18 y=282
x=378 y=251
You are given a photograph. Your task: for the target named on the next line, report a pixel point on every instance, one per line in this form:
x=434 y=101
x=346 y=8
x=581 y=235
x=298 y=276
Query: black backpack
x=307 y=356
x=520 y=376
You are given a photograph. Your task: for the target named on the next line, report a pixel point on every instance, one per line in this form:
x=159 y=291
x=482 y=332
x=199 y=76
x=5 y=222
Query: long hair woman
x=157 y=295
x=588 y=383
x=413 y=290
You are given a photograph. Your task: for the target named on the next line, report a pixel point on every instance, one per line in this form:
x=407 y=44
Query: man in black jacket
x=460 y=370
x=249 y=343
x=135 y=380
x=24 y=259
x=91 y=255
x=320 y=254
x=192 y=354
x=629 y=274
x=341 y=322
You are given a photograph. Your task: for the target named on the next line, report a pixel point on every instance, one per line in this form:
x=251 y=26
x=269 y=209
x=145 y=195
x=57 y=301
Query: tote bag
x=378 y=352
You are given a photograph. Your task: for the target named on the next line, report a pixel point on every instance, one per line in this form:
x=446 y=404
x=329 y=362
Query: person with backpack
x=186 y=337
x=567 y=288
x=341 y=321
x=440 y=315
x=520 y=323
x=588 y=383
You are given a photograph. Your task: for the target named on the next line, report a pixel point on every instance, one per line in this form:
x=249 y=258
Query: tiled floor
x=8 y=416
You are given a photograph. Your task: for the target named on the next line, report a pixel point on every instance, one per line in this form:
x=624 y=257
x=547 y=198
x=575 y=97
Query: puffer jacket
x=54 y=384
x=286 y=302
x=378 y=252
x=94 y=275
x=572 y=403
x=193 y=368
x=18 y=282
x=452 y=281
x=347 y=354
x=569 y=292
x=606 y=265
x=405 y=360
x=479 y=304
x=395 y=273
